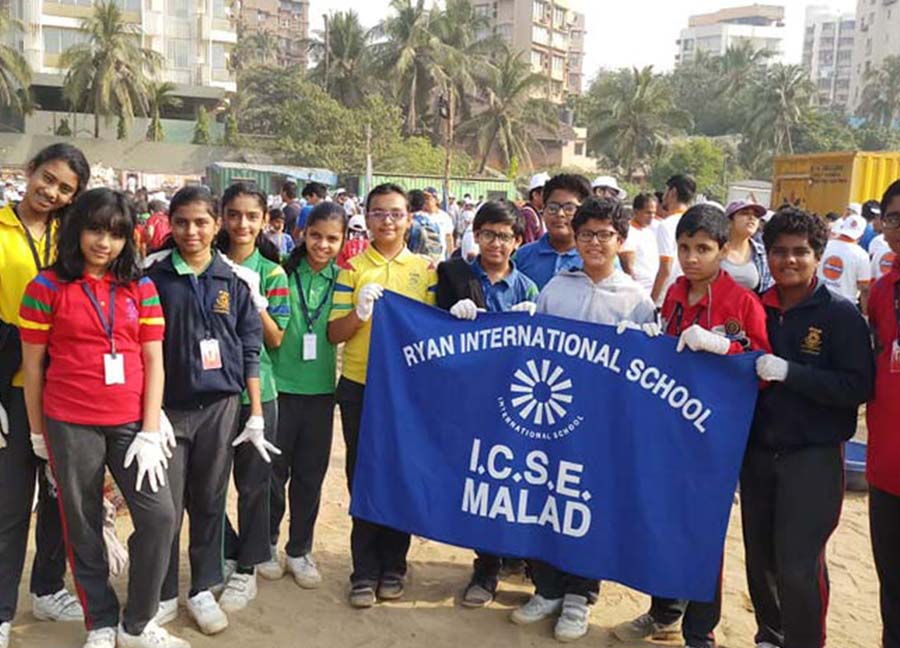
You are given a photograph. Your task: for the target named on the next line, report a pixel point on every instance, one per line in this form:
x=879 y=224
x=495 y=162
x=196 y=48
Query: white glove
x=156 y=257
x=368 y=295
x=524 y=307
x=650 y=329
x=252 y=279
x=39 y=446
x=464 y=309
x=255 y=433
x=771 y=368
x=167 y=432
x=147 y=447
x=116 y=554
x=697 y=338
x=4 y=426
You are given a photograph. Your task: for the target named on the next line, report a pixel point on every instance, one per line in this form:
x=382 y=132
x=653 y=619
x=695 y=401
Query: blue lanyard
x=109 y=323
x=199 y=294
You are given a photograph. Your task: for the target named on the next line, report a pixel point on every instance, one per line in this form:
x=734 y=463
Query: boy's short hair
x=603 y=209
x=890 y=193
x=276 y=214
x=386 y=189
x=498 y=212
x=792 y=220
x=642 y=200
x=289 y=189
x=416 y=200
x=314 y=189
x=705 y=218
x=577 y=184
x=684 y=185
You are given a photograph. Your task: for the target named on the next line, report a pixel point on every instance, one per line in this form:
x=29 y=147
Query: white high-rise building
x=828 y=53
x=877 y=37
x=713 y=33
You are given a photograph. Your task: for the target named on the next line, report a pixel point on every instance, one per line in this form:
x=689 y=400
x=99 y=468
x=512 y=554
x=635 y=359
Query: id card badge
x=309 y=346
x=895 y=357
x=114 y=368
x=210 y=354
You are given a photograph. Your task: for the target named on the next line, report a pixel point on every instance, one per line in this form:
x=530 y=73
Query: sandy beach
x=284 y=616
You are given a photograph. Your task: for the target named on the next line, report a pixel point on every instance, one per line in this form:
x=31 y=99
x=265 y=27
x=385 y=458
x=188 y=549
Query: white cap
x=852 y=227
x=768 y=216
x=357 y=223
x=612 y=183
x=537 y=181
x=855 y=208
x=339 y=191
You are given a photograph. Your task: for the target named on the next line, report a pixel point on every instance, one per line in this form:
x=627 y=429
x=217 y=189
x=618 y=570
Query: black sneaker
x=362 y=595
x=391 y=587
x=477 y=595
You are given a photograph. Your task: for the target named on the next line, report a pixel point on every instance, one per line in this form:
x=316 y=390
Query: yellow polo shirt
x=17 y=267
x=409 y=274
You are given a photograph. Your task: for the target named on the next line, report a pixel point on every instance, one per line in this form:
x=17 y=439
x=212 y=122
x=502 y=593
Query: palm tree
x=880 y=101
x=782 y=97
x=511 y=115
x=261 y=47
x=348 y=76
x=108 y=74
x=635 y=119
x=740 y=66
x=15 y=73
x=160 y=97
x=404 y=54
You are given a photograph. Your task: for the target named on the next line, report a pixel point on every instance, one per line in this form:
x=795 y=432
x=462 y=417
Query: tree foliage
x=201 y=128
x=15 y=73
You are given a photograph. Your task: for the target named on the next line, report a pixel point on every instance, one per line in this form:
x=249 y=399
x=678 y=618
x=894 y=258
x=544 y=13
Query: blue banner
x=609 y=456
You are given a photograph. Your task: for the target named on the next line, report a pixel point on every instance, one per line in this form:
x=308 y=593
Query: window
x=220 y=9
x=178 y=52
x=537 y=11
x=219 y=57
x=559 y=65
x=559 y=17
x=504 y=32
x=178 y=8
x=560 y=40
x=537 y=63
x=540 y=35
x=57 y=40
x=579 y=148
x=129 y=5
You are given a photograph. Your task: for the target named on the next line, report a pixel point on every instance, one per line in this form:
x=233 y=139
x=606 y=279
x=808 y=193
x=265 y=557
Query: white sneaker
x=61 y=606
x=167 y=612
x=573 y=621
x=305 y=572
x=102 y=638
x=5 y=630
x=536 y=609
x=207 y=613
x=228 y=568
x=272 y=569
x=152 y=637
x=239 y=591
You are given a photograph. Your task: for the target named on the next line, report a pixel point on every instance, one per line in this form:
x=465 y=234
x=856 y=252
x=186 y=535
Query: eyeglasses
x=553 y=208
x=489 y=236
x=891 y=221
x=381 y=215
x=589 y=236
x=784 y=252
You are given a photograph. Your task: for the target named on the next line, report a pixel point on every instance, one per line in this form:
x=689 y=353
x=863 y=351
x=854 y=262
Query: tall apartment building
x=551 y=34
x=877 y=37
x=713 y=33
x=286 y=20
x=828 y=54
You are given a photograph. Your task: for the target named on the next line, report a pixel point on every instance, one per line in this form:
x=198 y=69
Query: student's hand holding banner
x=771 y=368
x=524 y=307
x=697 y=338
x=464 y=309
x=650 y=329
x=368 y=295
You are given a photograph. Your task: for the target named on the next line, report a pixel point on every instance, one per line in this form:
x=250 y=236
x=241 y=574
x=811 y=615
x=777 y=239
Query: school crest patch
x=223 y=303
x=812 y=343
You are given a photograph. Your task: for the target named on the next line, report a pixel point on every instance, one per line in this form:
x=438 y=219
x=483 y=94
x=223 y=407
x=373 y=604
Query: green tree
x=262 y=92
x=256 y=48
x=161 y=97
x=201 y=128
x=418 y=155
x=708 y=161
x=232 y=137
x=823 y=130
x=636 y=117
x=348 y=77
x=108 y=74
x=783 y=97
x=121 y=129
x=880 y=103
x=739 y=68
x=15 y=73
x=63 y=129
x=510 y=116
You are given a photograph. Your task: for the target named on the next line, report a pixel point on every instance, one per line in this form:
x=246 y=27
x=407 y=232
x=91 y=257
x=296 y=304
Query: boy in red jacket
x=708 y=311
x=883 y=420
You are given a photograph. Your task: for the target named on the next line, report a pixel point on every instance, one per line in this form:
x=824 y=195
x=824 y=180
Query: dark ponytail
x=324 y=211
x=265 y=246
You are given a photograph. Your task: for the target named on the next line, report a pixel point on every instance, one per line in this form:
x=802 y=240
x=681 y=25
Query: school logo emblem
x=812 y=343
x=539 y=401
x=415 y=280
x=887 y=262
x=833 y=268
x=131 y=310
x=223 y=303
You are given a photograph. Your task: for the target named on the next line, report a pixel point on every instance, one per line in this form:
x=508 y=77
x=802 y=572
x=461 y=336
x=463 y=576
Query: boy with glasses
x=555 y=250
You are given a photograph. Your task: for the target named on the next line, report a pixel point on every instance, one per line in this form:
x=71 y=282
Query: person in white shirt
x=441 y=219
x=845 y=266
x=882 y=257
x=640 y=252
x=680 y=192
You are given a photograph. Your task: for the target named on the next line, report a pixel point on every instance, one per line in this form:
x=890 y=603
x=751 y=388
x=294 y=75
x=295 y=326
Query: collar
x=636 y=225
x=375 y=256
x=509 y=279
x=330 y=271
x=216 y=268
x=770 y=298
x=544 y=247
x=676 y=212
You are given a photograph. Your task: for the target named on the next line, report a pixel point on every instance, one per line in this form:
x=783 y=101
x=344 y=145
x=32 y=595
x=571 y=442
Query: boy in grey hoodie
x=602 y=294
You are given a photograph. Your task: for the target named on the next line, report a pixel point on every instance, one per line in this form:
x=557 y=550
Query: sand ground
x=285 y=616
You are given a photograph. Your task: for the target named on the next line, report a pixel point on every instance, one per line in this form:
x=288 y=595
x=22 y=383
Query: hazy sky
x=622 y=33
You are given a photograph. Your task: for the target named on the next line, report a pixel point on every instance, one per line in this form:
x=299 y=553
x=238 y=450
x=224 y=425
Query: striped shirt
x=61 y=316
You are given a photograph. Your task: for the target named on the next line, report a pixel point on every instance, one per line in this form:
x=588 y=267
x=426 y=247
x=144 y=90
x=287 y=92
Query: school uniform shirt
x=882 y=256
x=273 y=284
x=642 y=241
x=60 y=315
x=217 y=305
x=293 y=374
x=727 y=309
x=408 y=274
x=512 y=289
x=575 y=295
x=17 y=266
x=541 y=262
x=843 y=267
x=667 y=245
x=883 y=411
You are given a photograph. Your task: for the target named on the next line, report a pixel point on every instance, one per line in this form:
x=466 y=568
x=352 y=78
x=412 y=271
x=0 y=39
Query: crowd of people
x=201 y=346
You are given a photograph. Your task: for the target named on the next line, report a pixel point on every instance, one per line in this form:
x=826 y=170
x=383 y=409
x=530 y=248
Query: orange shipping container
x=826 y=182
